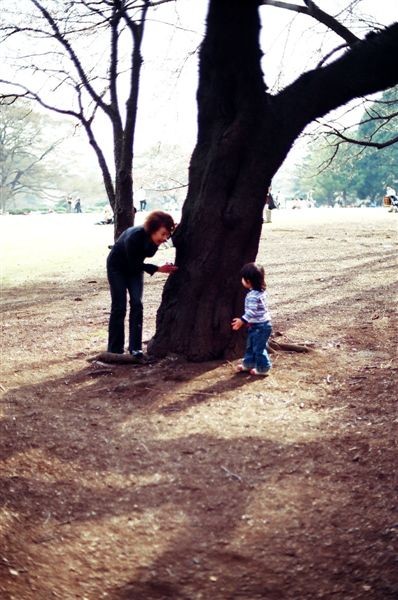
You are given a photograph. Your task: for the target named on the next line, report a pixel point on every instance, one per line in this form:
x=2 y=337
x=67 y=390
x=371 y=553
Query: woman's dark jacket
x=130 y=250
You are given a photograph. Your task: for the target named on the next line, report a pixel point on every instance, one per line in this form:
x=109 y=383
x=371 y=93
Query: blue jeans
x=256 y=354
x=120 y=283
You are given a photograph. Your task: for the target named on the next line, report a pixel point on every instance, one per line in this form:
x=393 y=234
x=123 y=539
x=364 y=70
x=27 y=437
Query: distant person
x=125 y=268
x=310 y=203
x=69 y=204
x=392 y=195
x=107 y=217
x=278 y=199
x=339 y=201
x=258 y=321
x=141 y=197
x=269 y=205
x=78 y=206
x=297 y=203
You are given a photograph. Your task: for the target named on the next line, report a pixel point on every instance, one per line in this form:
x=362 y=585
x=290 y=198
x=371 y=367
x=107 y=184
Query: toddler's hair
x=157 y=219
x=255 y=275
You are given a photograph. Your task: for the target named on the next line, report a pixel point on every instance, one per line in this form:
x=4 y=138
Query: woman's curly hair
x=157 y=219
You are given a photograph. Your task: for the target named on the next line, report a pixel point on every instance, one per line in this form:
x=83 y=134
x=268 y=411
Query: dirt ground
x=186 y=481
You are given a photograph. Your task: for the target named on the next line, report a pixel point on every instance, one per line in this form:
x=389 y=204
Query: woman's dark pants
x=120 y=283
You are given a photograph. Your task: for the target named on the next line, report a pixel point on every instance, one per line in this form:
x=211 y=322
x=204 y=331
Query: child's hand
x=237 y=324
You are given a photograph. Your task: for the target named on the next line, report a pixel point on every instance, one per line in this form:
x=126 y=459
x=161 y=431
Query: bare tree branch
x=350 y=76
x=74 y=58
x=31 y=95
x=312 y=10
x=351 y=140
x=330 y=54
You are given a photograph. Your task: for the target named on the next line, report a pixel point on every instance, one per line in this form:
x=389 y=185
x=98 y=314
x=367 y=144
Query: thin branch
x=312 y=10
x=177 y=187
x=110 y=190
x=378 y=145
x=155 y=3
x=30 y=95
x=326 y=163
x=72 y=55
x=330 y=54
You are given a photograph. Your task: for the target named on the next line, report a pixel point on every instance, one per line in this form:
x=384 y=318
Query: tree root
x=274 y=346
x=118 y=359
x=128 y=359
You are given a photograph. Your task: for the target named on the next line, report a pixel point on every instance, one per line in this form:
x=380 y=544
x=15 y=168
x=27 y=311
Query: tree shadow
x=235 y=517
x=257 y=518
x=114 y=391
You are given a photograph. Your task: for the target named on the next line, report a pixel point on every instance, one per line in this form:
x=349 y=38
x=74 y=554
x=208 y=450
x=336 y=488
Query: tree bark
x=244 y=134
x=230 y=171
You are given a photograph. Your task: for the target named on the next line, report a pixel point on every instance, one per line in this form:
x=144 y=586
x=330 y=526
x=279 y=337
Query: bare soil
x=186 y=481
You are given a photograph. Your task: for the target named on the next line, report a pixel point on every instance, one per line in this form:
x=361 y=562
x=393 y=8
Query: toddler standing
x=258 y=320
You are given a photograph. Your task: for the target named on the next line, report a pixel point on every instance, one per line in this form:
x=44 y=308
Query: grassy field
x=70 y=246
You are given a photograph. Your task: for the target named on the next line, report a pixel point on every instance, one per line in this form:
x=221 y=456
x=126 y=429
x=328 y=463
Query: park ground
x=186 y=481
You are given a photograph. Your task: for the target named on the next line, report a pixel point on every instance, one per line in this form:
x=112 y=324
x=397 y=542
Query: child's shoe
x=260 y=373
x=241 y=369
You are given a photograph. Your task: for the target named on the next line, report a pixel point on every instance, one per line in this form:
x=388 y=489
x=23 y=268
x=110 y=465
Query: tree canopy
x=25 y=150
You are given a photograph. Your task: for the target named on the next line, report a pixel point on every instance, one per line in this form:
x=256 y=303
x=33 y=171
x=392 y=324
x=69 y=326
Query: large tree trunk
x=244 y=134
x=230 y=171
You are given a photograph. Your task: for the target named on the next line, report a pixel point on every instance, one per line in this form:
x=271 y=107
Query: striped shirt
x=256 y=308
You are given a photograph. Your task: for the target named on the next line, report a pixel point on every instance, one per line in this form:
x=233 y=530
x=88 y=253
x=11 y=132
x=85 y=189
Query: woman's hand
x=237 y=324
x=167 y=268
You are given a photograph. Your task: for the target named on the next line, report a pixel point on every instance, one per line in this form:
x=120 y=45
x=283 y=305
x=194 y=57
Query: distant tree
x=70 y=80
x=24 y=152
x=358 y=162
x=318 y=172
x=170 y=173
x=377 y=159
